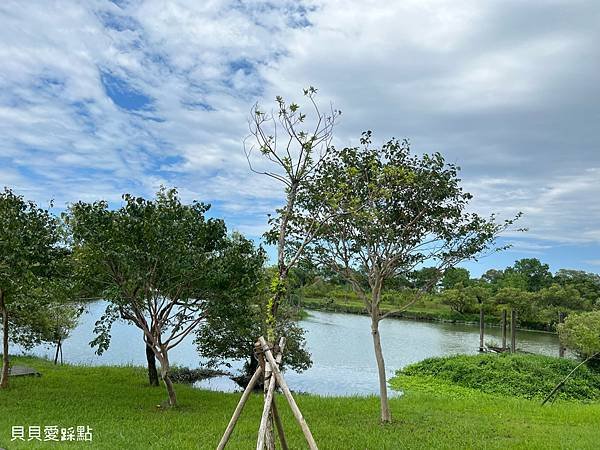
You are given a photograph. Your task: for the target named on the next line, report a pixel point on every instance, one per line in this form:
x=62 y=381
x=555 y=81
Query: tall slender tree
x=291 y=144
x=385 y=212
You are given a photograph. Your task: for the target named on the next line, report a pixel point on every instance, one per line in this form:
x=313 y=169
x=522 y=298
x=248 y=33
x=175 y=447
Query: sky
x=99 y=98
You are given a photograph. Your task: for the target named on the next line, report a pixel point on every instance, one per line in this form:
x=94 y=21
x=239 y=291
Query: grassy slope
x=526 y=376
x=122 y=410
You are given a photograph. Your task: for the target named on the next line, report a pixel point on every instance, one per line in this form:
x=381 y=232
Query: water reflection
x=341 y=347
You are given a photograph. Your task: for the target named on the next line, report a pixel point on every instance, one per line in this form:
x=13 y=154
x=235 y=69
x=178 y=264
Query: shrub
x=527 y=376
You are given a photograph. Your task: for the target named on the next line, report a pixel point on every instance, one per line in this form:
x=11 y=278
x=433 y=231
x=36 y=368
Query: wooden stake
x=288 y=395
x=504 y=329
x=264 y=421
x=481 y=329
x=561 y=347
x=513 y=331
x=276 y=418
x=238 y=409
x=279 y=426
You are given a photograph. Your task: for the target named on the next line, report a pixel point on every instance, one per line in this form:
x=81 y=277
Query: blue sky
x=103 y=97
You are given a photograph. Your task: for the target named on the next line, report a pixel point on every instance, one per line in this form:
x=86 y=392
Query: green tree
x=536 y=274
x=162 y=264
x=581 y=332
x=455 y=277
x=463 y=299
x=492 y=277
x=562 y=298
x=292 y=144
x=393 y=211
x=424 y=278
x=29 y=237
x=230 y=331
x=523 y=302
x=60 y=313
x=587 y=284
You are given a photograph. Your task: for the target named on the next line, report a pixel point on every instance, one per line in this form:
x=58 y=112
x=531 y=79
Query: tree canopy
x=29 y=244
x=162 y=265
x=382 y=212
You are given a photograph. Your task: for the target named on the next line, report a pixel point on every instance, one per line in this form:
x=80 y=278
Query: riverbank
x=421 y=311
x=124 y=413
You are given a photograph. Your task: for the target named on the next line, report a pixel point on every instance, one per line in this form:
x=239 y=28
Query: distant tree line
x=528 y=286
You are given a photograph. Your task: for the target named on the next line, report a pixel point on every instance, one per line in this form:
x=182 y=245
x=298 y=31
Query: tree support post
x=270 y=406
x=561 y=347
x=513 y=331
x=504 y=326
x=288 y=395
x=263 y=435
x=238 y=408
x=481 y=330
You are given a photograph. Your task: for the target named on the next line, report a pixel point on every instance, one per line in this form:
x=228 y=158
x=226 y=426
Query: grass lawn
x=123 y=412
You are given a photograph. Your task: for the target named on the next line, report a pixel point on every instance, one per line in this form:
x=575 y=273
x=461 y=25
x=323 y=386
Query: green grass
x=527 y=376
x=123 y=412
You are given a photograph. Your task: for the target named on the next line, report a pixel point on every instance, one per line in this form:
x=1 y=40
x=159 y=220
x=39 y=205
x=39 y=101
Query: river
x=340 y=344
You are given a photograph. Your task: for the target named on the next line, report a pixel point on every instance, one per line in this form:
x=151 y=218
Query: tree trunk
x=57 y=352
x=4 y=311
x=164 y=373
x=170 y=390
x=152 y=372
x=386 y=415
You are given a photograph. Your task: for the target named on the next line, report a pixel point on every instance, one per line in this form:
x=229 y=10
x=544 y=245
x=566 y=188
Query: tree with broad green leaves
x=536 y=274
x=455 y=277
x=393 y=212
x=161 y=265
x=581 y=333
x=29 y=242
x=60 y=314
x=523 y=302
x=231 y=328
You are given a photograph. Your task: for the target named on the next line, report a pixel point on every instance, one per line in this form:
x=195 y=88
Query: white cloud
x=512 y=100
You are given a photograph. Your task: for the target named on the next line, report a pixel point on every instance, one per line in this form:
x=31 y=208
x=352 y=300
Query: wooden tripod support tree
x=274 y=378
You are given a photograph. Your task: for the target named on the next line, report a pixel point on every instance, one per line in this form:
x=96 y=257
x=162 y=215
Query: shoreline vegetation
x=419 y=312
x=124 y=412
x=519 y=375
x=541 y=299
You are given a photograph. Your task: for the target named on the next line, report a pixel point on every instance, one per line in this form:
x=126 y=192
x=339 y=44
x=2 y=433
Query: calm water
x=341 y=347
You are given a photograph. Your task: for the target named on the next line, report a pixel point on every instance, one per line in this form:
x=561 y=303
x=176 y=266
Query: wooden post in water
x=481 y=329
x=561 y=347
x=504 y=329
x=513 y=331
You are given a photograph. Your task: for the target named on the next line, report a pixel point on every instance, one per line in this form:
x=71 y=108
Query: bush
x=527 y=376
x=581 y=332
